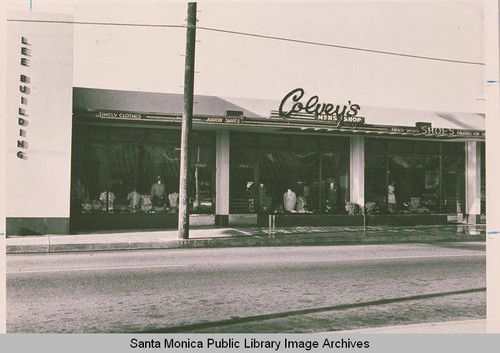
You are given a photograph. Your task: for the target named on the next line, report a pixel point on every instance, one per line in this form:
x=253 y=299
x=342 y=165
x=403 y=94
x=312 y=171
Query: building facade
x=305 y=168
x=83 y=159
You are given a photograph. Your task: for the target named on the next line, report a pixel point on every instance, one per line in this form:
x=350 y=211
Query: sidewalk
x=470 y=326
x=237 y=237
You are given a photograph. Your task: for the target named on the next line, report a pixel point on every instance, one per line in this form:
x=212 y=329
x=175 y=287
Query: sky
x=230 y=65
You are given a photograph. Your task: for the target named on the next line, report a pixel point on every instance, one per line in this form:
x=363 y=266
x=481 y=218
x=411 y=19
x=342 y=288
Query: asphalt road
x=274 y=289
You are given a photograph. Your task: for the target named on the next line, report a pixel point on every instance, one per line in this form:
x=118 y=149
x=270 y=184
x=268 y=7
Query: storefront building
x=303 y=168
x=83 y=160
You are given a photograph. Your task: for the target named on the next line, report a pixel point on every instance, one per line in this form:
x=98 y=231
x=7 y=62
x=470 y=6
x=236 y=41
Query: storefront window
x=288 y=173
x=414 y=176
x=89 y=176
x=136 y=170
x=294 y=174
x=202 y=196
x=453 y=178
x=334 y=181
x=243 y=168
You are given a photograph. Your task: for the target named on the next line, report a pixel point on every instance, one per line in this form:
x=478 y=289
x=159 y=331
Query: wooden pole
x=187 y=118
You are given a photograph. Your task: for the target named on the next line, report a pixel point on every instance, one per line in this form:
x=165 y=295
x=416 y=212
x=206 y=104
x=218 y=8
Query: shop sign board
x=118 y=115
x=123 y=115
x=294 y=105
x=231 y=120
x=427 y=129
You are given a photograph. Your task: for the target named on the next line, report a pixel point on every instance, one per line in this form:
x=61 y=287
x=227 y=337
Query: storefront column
x=472 y=182
x=222 y=178
x=357 y=172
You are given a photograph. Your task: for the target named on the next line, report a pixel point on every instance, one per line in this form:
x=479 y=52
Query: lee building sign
x=24 y=89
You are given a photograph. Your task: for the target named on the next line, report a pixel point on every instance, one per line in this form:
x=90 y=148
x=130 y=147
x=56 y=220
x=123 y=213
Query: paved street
x=264 y=289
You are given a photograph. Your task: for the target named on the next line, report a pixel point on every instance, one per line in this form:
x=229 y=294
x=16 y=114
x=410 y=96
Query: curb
x=310 y=239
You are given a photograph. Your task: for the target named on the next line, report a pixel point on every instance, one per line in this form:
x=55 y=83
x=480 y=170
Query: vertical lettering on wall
x=24 y=89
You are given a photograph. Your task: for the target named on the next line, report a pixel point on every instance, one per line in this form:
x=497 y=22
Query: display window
x=136 y=170
x=415 y=176
x=288 y=174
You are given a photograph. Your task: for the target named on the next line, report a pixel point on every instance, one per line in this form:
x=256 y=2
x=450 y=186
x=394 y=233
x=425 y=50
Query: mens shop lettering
x=322 y=111
x=24 y=88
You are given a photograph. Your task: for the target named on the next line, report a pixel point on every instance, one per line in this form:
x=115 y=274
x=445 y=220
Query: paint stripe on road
x=399 y=257
x=259 y=318
x=95 y=269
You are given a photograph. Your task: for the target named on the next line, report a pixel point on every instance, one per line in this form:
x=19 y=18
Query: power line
x=255 y=35
x=340 y=46
x=102 y=23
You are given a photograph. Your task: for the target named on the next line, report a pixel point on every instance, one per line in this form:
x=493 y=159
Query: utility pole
x=187 y=121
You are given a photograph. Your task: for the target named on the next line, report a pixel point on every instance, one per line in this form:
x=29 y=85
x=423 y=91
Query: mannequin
x=107 y=198
x=173 y=200
x=134 y=199
x=289 y=200
x=301 y=204
x=332 y=191
x=146 y=203
x=158 y=195
x=391 y=197
x=79 y=195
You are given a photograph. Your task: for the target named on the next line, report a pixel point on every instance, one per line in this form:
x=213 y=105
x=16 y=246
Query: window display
x=419 y=176
x=136 y=170
x=288 y=174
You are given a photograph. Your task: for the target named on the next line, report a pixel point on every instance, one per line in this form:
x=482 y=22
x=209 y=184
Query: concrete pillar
x=492 y=94
x=222 y=178
x=357 y=172
x=472 y=181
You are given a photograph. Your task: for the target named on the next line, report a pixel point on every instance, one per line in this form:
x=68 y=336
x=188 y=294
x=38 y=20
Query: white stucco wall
x=38 y=185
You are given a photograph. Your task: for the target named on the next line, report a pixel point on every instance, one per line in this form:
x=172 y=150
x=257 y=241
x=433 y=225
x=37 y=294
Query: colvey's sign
x=322 y=111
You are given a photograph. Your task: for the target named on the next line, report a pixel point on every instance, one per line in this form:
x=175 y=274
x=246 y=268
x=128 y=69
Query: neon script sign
x=322 y=111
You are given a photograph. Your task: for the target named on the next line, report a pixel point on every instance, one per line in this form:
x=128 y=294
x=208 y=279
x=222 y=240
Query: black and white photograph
x=246 y=167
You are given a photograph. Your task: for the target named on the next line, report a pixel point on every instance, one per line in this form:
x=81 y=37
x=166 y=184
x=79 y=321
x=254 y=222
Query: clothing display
x=79 y=197
x=158 y=201
x=86 y=207
x=96 y=205
x=173 y=199
x=158 y=194
x=332 y=192
x=134 y=199
x=79 y=192
x=146 y=205
x=301 y=204
x=391 y=198
x=158 y=189
x=107 y=198
x=289 y=200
